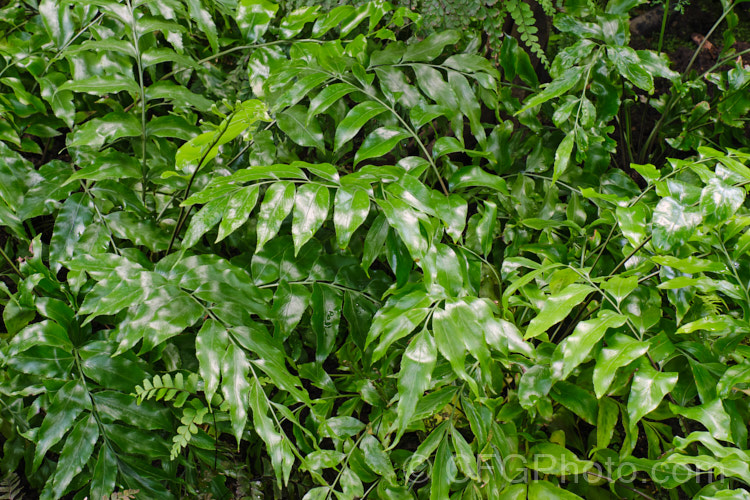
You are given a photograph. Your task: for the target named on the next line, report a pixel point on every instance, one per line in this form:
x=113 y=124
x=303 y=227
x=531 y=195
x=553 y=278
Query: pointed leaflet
x=75 y=453
x=350 y=210
x=406 y=222
x=101 y=85
x=294 y=123
x=556 y=88
x=270 y=358
x=443 y=471
x=289 y=304
x=310 y=211
x=203 y=221
x=449 y=338
x=553 y=459
x=469 y=104
x=587 y=334
x=431 y=47
x=606 y=419
x=556 y=308
x=673 y=224
x=326 y=316
x=277 y=203
x=621 y=350
x=235 y=388
x=354 y=120
x=376 y=458
x=380 y=142
x=544 y=490
x=647 y=390
x=328 y=97
x=414 y=377
x=205 y=22
x=104 y=474
x=712 y=415
x=166 y=312
x=719 y=201
x=562 y=155
x=254 y=17
x=76 y=213
x=400 y=316
x=67 y=403
x=279 y=449
x=211 y=344
x=237 y=210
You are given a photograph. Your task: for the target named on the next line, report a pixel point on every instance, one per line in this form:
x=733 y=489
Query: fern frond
x=192 y=417
x=11 y=488
x=523 y=17
x=167 y=388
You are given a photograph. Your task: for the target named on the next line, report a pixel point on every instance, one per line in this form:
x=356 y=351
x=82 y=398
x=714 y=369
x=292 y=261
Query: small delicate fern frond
x=192 y=417
x=524 y=20
x=11 y=488
x=167 y=388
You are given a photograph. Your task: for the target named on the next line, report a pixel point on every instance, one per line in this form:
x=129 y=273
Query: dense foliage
x=252 y=253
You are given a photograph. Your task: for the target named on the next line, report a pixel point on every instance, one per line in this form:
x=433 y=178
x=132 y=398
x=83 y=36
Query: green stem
x=11 y=263
x=183 y=212
x=663 y=26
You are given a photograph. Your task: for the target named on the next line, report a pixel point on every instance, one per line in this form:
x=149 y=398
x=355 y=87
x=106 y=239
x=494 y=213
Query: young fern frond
x=523 y=17
x=167 y=388
x=192 y=417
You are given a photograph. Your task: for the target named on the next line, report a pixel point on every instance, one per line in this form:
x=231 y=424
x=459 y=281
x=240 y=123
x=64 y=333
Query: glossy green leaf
x=471 y=176
x=380 y=142
x=254 y=17
x=607 y=417
x=66 y=405
x=673 y=224
x=544 y=490
x=431 y=47
x=326 y=305
x=719 y=201
x=556 y=88
x=295 y=124
x=104 y=473
x=76 y=213
x=562 y=155
x=648 y=389
x=735 y=377
x=211 y=343
x=279 y=449
x=77 y=450
x=399 y=317
x=329 y=96
x=236 y=388
x=110 y=165
x=575 y=349
x=237 y=211
x=289 y=304
x=621 y=350
x=354 y=120
x=629 y=64
x=553 y=459
x=414 y=378
x=277 y=203
x=351 y=207
x=166 y=312
x=633 y=222
x=101 y=85
x=311 y=205
x=556 y=308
